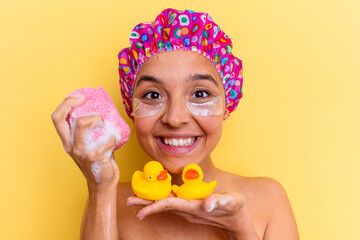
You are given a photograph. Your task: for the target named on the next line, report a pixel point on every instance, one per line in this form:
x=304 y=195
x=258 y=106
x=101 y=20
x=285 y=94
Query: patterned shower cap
x=181 y=30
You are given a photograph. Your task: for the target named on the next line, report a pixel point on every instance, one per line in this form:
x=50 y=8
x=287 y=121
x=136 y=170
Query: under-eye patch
x=142 y=110
x=209 y=108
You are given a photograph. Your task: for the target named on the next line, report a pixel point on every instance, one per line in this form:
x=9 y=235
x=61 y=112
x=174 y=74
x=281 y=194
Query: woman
x=179 y=81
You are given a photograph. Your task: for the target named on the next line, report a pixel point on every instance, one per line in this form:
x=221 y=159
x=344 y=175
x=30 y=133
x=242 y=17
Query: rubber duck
x=193 y=187
x=154 y=183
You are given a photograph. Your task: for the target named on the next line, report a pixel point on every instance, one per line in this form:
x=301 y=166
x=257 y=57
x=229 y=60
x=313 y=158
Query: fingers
x=82 y=126
x=59 y=118
x=102 y=151
x=171 y=204
x=136 y=201
x=218 y=210
x=208 y=211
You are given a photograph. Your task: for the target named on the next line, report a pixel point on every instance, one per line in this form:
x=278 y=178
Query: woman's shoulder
x=262 y=193
x=267 y=191
x=258 y=185
x=265 y=185
x=267 y=197
x=266 y=201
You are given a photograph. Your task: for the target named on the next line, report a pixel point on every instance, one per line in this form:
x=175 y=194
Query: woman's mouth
x=177 y=145
x=178 y=142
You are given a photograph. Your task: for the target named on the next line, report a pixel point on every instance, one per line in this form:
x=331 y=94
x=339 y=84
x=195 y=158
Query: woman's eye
x=200 y=94
x=152 y=95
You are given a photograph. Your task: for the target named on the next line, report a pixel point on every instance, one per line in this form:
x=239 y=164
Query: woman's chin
x=174 y=168
x=175 y=171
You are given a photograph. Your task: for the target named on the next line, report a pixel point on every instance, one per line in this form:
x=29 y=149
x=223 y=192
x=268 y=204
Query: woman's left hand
x=226 y=211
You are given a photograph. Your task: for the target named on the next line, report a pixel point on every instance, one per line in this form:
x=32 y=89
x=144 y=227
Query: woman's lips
x=178 y=145
x=178 y=142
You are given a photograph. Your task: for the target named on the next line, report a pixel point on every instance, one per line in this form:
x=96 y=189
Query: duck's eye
x=201 y=94
x=152 y=95
x=150 y=176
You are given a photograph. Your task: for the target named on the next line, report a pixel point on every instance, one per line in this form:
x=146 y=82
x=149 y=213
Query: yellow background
x=298 y=121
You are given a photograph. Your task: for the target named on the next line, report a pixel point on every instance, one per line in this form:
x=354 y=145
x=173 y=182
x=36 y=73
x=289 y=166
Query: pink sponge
x=99 y=102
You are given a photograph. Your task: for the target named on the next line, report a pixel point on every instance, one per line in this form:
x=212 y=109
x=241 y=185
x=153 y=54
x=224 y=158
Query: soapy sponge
x=99 y=102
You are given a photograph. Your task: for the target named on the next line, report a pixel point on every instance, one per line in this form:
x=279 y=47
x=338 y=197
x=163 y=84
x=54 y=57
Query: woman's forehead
x=178 y=64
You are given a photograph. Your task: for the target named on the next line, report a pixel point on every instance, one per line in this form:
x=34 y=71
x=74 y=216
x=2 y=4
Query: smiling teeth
x=179 y=142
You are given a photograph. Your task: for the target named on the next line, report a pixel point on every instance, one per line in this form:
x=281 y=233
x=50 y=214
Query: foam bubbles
x=225 y=201
x=107 y=131
x=97 y=136
x=96 y=171
x=213 y=205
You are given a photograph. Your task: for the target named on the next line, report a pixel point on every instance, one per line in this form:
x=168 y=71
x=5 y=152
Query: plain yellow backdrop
x=298 y=121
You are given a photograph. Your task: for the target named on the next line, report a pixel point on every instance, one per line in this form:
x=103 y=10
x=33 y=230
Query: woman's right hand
x=99 y=169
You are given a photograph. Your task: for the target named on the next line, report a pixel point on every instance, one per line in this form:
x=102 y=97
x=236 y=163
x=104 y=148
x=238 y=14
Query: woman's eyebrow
x=198 y=76
x=147 y=78
x=193 y=77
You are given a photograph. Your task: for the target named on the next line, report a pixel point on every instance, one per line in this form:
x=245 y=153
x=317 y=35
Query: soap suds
x=73 y=124
x=96 y=171
x=213 y=205
x=95 y=137
x=108 y=131
x=105 y=130
x=109 y=152
x=224 y=201
x=97 y=166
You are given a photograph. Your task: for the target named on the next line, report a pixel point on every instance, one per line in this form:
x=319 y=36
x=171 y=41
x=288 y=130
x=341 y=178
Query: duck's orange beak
x=162 y=175
x=191 y=174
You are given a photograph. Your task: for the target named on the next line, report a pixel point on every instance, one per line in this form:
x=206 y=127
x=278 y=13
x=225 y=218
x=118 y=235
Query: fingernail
x=140 y=217
x=128 y=202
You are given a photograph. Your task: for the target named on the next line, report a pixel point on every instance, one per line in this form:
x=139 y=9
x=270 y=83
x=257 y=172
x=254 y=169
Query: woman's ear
x=226 y=114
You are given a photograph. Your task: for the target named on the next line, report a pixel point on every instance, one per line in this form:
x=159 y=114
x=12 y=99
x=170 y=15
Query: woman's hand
x=226 y=211
x=96 y=164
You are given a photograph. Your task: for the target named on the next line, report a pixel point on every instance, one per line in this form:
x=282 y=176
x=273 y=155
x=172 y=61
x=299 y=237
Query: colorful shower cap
x=181 y=30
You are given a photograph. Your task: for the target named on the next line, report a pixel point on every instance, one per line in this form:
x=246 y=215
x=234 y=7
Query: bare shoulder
x=258 y=187
x=265 y=187
x=268 y=194
x=261 y=193
x=267 y=203
x=281 y=223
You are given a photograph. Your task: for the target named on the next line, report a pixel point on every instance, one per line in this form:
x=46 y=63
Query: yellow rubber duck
x=154 y=183
x=193 y=187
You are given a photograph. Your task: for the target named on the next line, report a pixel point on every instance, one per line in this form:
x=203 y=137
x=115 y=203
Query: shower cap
x=181 y=30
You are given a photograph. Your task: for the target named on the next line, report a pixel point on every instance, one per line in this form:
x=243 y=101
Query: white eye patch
x=142 y=110
x=209 y=108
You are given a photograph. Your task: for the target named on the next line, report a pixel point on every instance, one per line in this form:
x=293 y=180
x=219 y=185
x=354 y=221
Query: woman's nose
x=176 y=113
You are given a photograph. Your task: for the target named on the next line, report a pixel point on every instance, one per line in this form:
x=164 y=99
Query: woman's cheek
x=212 y=126
x=144 y=128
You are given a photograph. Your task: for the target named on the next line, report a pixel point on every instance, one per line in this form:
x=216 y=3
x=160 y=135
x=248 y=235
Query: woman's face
x=175 y=136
